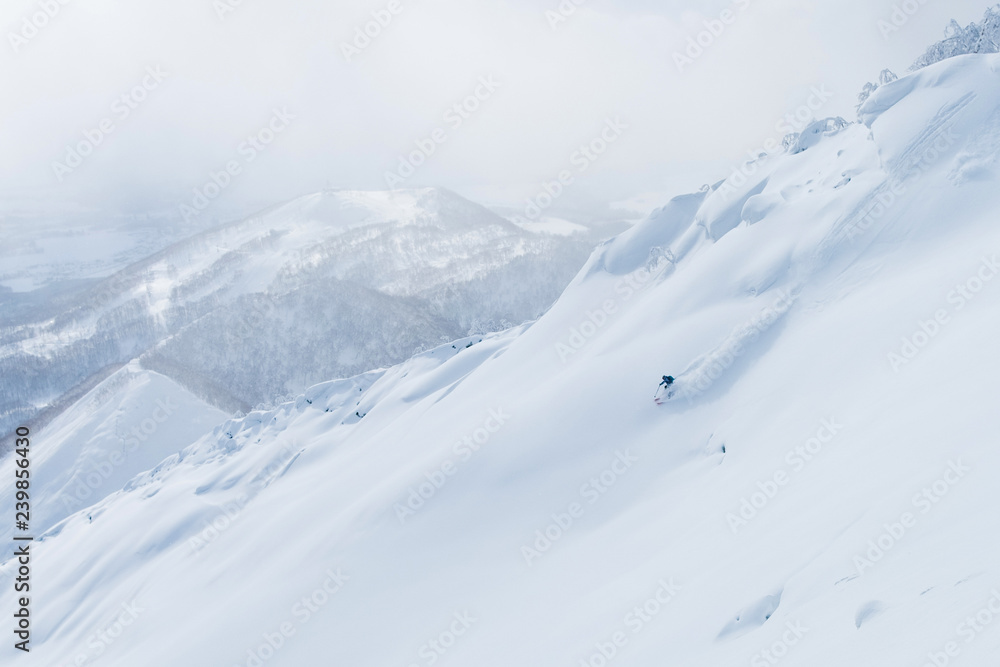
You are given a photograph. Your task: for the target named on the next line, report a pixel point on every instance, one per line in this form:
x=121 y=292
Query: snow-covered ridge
x=125 y=425
x=328 y=285
x=979 y=37
x=523 y=501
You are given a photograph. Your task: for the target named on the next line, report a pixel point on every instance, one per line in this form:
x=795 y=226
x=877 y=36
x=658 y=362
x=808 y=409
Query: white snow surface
x=127 y=424
x=803 y=423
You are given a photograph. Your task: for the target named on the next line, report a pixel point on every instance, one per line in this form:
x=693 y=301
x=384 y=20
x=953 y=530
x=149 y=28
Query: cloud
x=228 y=71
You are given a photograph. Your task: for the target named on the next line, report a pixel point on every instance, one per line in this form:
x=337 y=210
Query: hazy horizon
x=200 y=78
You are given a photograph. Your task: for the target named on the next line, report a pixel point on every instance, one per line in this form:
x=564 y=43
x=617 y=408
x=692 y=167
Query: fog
x=165 y=95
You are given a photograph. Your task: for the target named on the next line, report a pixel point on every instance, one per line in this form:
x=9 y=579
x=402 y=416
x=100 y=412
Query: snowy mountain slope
x=819 y=500
x=127 y=424
x=328 y=285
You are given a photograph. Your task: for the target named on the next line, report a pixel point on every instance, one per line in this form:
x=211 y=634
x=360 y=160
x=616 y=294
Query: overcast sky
x=224 y=73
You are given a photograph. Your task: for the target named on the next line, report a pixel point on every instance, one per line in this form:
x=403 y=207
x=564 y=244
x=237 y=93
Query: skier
x=664 y=391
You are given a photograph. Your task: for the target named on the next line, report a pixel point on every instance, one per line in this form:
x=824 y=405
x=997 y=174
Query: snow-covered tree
x=885 y=77
x=981 y=37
